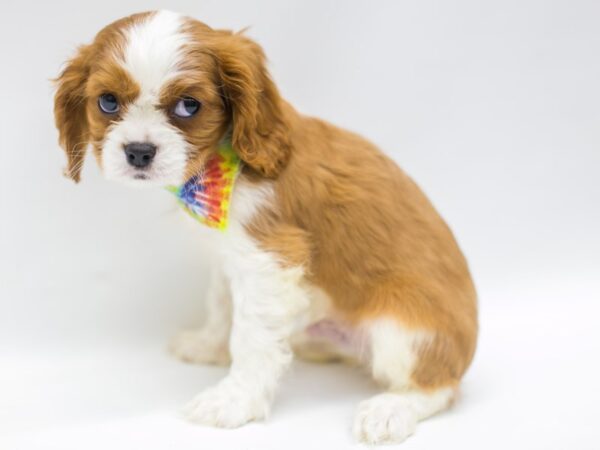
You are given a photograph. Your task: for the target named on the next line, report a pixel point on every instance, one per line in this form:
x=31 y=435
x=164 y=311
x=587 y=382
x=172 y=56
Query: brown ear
x=69 y=111
x=259 y=130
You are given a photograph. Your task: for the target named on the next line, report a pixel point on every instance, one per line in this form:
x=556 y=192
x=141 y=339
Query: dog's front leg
x=209 y=344
x=267 y=299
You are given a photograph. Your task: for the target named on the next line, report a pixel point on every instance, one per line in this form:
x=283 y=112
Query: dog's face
x=156 y=92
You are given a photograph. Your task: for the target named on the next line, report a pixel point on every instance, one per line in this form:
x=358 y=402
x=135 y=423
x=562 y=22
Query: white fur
x=392 y=417
x=267 y=301
x=152 y=56
x=393 y=352
x=154 y=51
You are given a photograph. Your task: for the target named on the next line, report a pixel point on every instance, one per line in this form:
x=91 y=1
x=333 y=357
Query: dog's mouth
x=145 y=178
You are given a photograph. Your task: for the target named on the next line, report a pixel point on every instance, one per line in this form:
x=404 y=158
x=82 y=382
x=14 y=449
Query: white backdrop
x=493 y=108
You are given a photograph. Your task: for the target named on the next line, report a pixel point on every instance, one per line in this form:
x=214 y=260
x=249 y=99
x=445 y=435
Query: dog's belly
x=323 y=336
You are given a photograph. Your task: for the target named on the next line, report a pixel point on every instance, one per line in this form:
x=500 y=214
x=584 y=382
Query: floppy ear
x=259 y=130
x=70 y=113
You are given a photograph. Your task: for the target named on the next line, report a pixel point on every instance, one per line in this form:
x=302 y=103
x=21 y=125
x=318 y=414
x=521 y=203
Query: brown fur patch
x=259 y=132
x=290 y=243
x=379 y=247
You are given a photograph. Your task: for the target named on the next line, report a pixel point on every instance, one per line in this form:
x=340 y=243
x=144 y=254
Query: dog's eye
x=108 y=103
x=186 y=107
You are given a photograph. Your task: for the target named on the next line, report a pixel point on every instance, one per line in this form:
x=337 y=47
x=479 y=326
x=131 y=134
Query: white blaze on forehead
x=154 y=50
x=151 y=55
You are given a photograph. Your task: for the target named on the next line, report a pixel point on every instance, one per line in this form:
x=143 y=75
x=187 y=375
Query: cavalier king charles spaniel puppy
x=327 y=249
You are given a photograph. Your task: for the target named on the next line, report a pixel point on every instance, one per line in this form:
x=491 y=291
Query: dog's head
x=155 y=93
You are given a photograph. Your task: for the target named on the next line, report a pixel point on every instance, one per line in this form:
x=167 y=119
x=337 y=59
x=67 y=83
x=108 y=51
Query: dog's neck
x=206 y=196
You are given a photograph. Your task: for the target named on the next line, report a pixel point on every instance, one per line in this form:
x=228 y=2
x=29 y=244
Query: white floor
x=534 y=385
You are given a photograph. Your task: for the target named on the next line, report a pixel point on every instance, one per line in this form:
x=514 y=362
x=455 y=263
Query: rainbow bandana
x=206 y=196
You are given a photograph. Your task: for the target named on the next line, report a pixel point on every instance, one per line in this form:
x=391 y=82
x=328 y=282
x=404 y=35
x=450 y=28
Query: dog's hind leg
x=392 y=416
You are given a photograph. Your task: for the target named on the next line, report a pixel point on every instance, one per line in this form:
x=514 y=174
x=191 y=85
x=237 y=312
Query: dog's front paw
x=200 y=347
x=226 y=405
x=384 y=419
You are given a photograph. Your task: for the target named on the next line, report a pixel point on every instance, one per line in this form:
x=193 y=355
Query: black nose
x=140 y=154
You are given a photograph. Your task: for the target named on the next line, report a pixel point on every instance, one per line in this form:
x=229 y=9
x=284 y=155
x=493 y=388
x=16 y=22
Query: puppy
x=329 y=251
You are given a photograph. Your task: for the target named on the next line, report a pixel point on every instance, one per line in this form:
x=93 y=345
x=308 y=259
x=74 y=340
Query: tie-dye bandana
x=206 y=196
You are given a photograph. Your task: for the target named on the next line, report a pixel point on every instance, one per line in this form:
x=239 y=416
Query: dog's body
x=331 y=249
